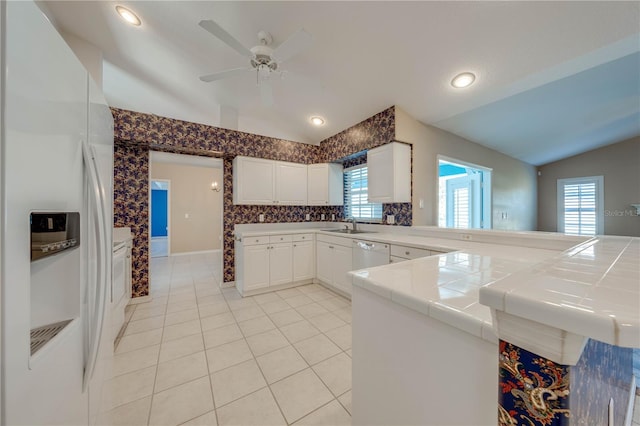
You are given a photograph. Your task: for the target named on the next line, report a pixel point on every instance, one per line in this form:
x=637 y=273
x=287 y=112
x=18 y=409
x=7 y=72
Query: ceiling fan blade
x=266 y=93
x=223 y=35
x=295 y=44
x=224 y=74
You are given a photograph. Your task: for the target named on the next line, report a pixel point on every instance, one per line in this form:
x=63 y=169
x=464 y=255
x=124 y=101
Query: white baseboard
x=141 y=299
x=228 y=284
x=189 y=253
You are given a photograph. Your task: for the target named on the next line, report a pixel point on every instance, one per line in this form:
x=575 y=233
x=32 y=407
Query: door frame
x=168 y=182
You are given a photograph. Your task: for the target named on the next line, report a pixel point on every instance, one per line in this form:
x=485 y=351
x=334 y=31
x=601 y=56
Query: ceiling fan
x=263 y=59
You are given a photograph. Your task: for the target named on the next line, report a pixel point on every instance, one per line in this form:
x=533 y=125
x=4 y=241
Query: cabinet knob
x=330 y=246
x=295 y=245
x=406 y=252
x=257 y=241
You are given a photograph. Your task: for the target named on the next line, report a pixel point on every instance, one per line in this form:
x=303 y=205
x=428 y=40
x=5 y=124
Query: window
x=356 y=196
x=580 y=205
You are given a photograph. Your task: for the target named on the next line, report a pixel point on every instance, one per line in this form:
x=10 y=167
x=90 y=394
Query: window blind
x=356 y=195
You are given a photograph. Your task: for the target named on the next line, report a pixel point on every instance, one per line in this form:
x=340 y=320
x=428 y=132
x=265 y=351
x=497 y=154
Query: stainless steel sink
x=348 y=231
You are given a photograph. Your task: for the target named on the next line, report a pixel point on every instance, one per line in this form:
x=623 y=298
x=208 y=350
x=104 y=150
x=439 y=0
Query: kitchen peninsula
x=496 y=327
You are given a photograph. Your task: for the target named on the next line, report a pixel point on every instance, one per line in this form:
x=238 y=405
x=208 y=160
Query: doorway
x=160 y=220
x=464 y=194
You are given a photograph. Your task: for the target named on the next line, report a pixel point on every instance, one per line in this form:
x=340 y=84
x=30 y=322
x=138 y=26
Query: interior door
x=159 y=212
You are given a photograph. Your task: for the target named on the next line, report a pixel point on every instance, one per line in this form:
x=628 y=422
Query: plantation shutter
x=356 y=195
x=581 y=205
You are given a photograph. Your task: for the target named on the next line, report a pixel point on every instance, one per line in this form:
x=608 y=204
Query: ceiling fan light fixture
x=128 y=16
x=463 y=80
x=317 y=120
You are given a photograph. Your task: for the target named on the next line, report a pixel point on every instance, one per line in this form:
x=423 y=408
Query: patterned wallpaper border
x=536 y=391
x=136 y=133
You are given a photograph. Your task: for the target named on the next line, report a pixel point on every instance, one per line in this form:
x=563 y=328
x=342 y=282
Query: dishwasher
x=367 y=254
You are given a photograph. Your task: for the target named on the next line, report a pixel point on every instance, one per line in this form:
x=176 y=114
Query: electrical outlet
x=465 y=237
x=391 y=219
x=186 y=215
x=307 y=216
x=261 y=217
x=421 y=203
x=322 y=216
x=333 y=217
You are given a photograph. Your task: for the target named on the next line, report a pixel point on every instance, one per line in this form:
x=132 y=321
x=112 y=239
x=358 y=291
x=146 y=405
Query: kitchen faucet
x=353 y=222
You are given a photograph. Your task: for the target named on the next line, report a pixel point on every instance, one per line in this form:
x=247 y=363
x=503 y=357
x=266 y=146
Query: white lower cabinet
x=256 y=271
x=303 y=260
x=334 y=260
x=264 y=263
x=280 y=263
x=324 y=256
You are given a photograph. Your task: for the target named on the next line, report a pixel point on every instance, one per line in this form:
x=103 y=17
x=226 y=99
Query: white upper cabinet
x=325 y=184
x=390 y=173
x=291 y=183
x=253 y=181
x=260 y=181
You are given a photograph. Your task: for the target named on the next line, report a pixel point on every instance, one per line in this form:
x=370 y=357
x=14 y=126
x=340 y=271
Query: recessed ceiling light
x=317 y=121
x=463 y=80
x=128 y=15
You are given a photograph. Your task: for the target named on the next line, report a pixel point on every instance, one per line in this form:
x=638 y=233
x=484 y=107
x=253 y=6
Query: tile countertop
x=591 y=289
x=446 y=287
x=121 y=235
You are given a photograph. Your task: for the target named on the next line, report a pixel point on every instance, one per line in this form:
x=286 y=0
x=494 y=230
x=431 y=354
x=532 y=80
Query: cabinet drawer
x=251 y=241
x=396 y=259
x=409 y=252
x=302 y=237
x=280 y=239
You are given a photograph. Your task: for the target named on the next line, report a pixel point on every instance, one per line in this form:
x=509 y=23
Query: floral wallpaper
x=536 y=391
x=131 y=207
x=137 y=133
x=533 y=390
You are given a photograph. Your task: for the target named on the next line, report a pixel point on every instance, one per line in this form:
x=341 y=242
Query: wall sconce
x=215 y=187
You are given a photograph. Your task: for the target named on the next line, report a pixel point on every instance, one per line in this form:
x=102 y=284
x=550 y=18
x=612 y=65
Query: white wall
x=514 y=189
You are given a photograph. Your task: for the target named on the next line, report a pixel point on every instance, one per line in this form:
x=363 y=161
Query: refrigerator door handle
x=98 y=304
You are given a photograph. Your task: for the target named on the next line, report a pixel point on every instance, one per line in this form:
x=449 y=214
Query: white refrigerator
x=57 y=164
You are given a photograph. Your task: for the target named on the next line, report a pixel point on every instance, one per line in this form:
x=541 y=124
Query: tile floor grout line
x=227 y=298
x=206 y=357
x=255 y=359
x=155 y=378
x=210 y=374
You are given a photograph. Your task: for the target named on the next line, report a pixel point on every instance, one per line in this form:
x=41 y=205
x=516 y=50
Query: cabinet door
x=256 y=267
x=303 y=260
x=318 y=184
x=253 y=181
x=280 y=264
x=291 y=183
x=324 y=252
x=389 y=168
x=380 y=173
x=342 y=263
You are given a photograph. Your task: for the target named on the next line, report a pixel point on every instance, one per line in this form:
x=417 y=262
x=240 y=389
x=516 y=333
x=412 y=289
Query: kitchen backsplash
x=136 y=133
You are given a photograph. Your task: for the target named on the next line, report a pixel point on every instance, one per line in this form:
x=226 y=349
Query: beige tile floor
x=199 y=355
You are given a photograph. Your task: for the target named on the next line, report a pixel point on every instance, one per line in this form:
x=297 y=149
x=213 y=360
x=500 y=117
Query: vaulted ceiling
x=553 y=78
